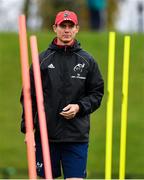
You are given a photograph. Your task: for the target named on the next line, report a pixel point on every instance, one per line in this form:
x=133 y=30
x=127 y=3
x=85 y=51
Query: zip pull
x=65 y=48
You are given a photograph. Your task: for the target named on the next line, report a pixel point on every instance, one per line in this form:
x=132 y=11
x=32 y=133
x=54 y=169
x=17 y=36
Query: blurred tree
x=45 y=10
x=30 y=9
x=26 y=8
x=111 y=13
x=49 y=8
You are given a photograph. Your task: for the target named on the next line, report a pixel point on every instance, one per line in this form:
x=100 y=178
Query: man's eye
x=71 y=26
x=62 y=26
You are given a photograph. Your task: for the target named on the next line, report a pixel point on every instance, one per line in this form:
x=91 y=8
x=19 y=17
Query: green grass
x=12 y=147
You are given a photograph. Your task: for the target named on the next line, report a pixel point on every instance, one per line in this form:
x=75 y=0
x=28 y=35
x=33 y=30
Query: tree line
x=47 y=9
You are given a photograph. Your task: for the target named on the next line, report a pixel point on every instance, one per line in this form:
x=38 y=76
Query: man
x=73 y=88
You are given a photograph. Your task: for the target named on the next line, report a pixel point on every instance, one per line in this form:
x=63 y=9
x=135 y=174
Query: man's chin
x=67 y=41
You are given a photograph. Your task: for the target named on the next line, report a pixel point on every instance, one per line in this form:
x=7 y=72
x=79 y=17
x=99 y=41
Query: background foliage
x=47 y=10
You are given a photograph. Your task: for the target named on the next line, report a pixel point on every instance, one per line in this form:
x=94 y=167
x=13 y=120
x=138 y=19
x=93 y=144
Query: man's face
x=66 y=32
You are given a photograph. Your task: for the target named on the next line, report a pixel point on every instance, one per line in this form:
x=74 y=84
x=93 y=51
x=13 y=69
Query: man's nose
x=67 y=28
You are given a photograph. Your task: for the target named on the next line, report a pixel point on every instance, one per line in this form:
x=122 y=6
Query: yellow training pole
x=109 y=113
x=124 y=107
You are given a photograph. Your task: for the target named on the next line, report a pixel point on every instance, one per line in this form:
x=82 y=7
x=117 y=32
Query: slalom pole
x=109 y=113
x=40 y=105
x=124 y=107
x=27 y=98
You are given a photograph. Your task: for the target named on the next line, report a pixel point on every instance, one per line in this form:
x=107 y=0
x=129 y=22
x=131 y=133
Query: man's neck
x=61 y=43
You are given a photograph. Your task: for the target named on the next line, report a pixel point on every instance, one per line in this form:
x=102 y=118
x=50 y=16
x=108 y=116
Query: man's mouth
x=66 y=36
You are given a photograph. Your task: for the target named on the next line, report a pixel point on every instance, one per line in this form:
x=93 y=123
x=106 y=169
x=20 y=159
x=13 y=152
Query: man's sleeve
x=33 y=100
x=94 y=91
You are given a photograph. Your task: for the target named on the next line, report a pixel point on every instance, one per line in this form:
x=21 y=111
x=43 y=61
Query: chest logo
x=79 y=68
x=51 y=66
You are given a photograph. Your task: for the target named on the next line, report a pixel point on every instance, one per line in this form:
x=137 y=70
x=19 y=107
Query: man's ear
x=54 y=28
x=77 y=27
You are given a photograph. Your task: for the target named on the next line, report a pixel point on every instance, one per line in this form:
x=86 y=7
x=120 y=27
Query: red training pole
x=27 y=98
x=40 y=105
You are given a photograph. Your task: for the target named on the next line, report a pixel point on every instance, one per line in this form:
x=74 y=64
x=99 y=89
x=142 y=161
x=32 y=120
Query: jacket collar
x=75 y=46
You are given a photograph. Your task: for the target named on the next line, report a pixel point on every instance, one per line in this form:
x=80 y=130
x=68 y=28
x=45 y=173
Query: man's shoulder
x=86 y=55
x=44 y=54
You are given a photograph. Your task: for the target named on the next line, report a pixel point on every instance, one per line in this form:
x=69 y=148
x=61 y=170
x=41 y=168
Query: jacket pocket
x=79 y=126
